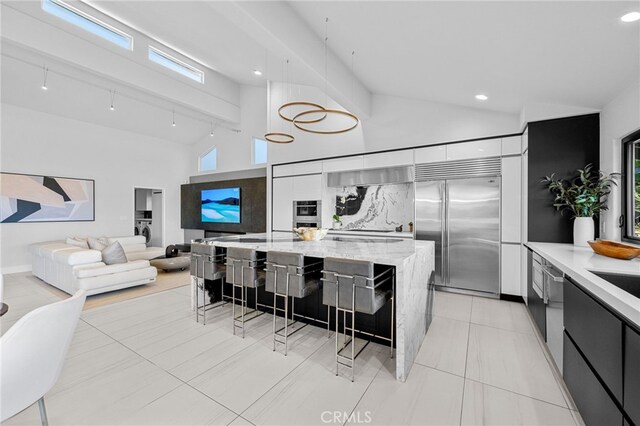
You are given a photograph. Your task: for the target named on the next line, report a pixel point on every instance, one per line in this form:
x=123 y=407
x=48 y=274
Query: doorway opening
x=148 y=215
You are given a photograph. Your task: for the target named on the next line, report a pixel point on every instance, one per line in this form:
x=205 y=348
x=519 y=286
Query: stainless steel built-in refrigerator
x=458 y=207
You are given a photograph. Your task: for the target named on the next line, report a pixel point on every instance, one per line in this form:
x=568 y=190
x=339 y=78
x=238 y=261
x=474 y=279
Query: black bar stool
x=246 y=269
x=291 y=274
x=356 y=286
x=207 y=263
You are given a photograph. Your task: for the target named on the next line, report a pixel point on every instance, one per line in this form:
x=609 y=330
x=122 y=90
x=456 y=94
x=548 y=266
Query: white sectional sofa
x=71 y=268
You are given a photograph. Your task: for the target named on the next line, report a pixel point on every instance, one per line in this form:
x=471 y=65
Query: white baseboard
x=15 y=269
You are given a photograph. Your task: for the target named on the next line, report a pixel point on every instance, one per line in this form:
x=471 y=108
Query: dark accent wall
x=558 y=146
x=253 y=205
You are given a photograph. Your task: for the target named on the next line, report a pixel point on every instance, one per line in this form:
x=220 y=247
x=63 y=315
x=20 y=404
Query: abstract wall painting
x=34 y=198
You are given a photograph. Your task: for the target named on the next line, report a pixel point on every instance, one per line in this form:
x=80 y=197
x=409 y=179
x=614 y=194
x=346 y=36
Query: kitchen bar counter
x=413 y=261
x=578 y=262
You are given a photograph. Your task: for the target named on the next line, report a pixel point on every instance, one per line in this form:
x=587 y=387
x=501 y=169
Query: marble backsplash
x=376 y=206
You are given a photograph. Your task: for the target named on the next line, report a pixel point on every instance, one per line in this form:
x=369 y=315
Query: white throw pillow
x=78 y=242
x=113 y=254
x=97 y=244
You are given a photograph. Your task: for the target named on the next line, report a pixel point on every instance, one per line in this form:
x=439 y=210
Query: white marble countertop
x=578 y=262
x=371 y=233
x=386 y=251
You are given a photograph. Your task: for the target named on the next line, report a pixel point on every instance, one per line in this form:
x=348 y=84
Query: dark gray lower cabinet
x=594 y=403
x=632 y=375
x=598 y=334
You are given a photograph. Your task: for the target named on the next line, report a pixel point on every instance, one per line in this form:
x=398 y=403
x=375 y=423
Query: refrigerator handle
x=445 y=233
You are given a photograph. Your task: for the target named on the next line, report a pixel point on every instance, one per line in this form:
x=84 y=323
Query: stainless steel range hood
x=387 y=175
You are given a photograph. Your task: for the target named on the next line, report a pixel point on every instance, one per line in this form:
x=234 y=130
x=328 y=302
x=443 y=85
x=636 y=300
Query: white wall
x=400 y=122
x=235 y=150
x=619 y=118
x=39 y=143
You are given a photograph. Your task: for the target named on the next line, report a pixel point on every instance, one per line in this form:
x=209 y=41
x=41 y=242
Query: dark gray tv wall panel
x=253 y=205
x=561 y=146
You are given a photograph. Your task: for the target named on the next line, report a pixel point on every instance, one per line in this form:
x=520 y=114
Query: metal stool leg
x=275 y=299
x=43 y=412
x=393 y=309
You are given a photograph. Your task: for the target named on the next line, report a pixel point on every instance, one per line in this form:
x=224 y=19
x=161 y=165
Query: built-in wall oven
x=307 y=213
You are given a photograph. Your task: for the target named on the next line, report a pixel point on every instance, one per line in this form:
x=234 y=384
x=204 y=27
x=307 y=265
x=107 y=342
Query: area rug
x=164 y=281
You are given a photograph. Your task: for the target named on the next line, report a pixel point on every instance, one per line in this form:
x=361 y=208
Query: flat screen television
x=220 y=205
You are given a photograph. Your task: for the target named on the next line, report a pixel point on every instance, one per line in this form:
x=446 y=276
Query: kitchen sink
x=628 y=283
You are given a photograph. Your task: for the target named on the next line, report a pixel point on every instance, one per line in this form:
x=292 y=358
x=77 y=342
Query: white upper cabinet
x=511 y=207
x=430 y=154
x=305 y=168
x=476 y=149
x=307 y=187
x=388 y=159
x=355 y=162
x=512 y=145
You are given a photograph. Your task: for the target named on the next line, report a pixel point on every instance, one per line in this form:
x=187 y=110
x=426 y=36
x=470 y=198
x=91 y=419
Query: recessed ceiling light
x=482 y=97
x=257 y=72
x=630 y=17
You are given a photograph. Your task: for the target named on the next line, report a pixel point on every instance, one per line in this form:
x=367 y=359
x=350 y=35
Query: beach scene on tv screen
x=221 y=205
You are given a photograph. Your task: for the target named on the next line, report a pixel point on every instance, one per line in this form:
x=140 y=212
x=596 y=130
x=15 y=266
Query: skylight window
x=259 y=151
x=176 y=65
x=87 y=22
x=209 y=160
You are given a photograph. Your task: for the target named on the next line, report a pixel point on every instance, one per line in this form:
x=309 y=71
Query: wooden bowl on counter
x=615 y=249
x=311 y=234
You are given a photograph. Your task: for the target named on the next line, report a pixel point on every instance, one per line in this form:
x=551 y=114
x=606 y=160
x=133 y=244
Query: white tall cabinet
x=293 y=182
x=511 y=218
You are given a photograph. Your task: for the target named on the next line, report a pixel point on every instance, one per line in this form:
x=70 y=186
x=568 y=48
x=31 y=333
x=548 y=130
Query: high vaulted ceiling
x=572 y=53
x=567 y=52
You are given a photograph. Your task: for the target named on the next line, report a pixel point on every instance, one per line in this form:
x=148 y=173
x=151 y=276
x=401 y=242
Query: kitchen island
x=413 y=262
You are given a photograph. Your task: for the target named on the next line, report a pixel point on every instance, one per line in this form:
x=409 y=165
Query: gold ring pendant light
x=315 y=107
x=299 y=123
x=299 y=120
x=279 y=137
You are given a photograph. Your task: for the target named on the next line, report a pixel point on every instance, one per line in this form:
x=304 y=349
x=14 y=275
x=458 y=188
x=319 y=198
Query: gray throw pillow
x=77 y=242
x=96 y=243
x=113 y=254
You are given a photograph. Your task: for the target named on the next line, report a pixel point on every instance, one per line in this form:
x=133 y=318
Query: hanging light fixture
x=211 y=134
x=45 y=72
x=173 y=115
x=278 y=137
x=299 y=120
x=112 y=94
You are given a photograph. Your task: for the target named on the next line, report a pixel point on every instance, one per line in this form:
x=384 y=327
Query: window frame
x=627 y=190
x=179 y=63
x=201 y=156
x=90 y=18
x=253 y=152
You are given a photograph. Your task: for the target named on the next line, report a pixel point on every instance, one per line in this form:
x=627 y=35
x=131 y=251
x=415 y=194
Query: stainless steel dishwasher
x=554 y=301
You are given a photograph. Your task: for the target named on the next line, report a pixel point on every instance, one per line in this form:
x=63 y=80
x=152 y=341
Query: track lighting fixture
x=112 y=93
x=45 y=72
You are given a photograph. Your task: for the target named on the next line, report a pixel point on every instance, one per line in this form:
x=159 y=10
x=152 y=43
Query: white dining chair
x=32 y=353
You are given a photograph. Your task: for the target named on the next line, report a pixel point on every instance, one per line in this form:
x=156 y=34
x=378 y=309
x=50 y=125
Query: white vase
x=583 y=231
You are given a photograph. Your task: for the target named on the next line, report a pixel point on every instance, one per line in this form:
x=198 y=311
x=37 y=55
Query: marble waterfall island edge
x=413 y=260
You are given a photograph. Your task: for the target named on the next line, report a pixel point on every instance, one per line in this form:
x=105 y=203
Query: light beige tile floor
x=146 y=361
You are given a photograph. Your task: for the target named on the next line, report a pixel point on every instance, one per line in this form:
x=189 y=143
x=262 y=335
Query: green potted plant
x=337 y=222
x=584 y=197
